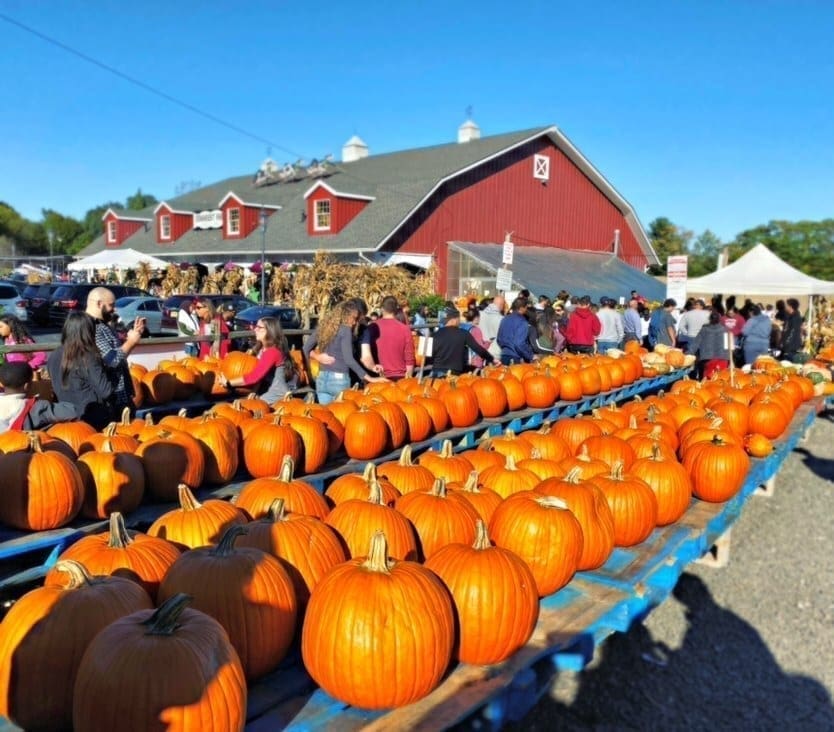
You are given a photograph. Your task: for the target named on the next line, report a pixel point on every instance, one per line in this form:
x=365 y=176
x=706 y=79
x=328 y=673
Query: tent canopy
x=118 y=258
x=759 y=272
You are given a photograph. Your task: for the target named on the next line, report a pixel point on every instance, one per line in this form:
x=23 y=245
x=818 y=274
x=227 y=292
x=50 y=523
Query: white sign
x=676 y=272
x=507 y=253
x=504 y=280
x=208 y=220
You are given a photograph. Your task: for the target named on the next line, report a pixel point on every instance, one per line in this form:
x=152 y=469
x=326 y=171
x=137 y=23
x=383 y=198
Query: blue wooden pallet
x=25 y=549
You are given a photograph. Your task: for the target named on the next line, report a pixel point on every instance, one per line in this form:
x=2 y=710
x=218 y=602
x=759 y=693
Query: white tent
x=759 y=272
x=118 y=258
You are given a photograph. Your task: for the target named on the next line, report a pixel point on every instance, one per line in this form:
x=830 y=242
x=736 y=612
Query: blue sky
x=717 y=115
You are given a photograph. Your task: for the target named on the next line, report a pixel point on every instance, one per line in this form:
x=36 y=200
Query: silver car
x=11 y=301
x=129 y=308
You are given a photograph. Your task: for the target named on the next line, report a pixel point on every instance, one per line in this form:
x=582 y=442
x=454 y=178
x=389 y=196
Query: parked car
x=171 y=307
x=70 y=298
x=289 y=317
x=12 y=302
x=129 y=308
x=38 y=299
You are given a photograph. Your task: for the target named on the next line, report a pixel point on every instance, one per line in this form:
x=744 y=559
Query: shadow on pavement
x=723 y=677
x=823 y=467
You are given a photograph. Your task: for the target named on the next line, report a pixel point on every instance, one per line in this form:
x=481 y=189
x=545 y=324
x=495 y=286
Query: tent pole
x=810 y=323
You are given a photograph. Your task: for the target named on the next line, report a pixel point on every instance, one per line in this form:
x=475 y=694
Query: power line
x=147 y=87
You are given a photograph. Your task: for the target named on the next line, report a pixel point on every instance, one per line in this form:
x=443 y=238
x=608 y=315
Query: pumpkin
x=757 y=445
x=44 y=636
x=299 y=496
x=575 y=431
x=314 y=438
x=445 y=464
x=130 y=554
x=670 y=482
x=589 y=505
x=494 y=595
x=540 y=390
x=42 y=488
x=461 y=404
x=113 y=481
x=633 y=505
x=237 y=363
x=366 y=434
x=609 y=449
x=160 y=387
x=542 y=468
x=196 y=524
x=543 y=532
x=491 y=396
x=395 y=420
x=266 y=446
x=420 y=424
x=118 y=443
x=247 y=591
x=436 y=409
x=72 y=433
x=509 y=444
x=587 y=466
x=220 y=441
x=767 y=417
x=484 y=456
x=405 y=475
x=170 y=458
x=483 y=500
x=378 y=632
x=438 y=519
x=356 y=485
x=191 y=677
x=508 y=478
x=549 y=444
x=356 y=521
x=718 y=469
x=307 y=547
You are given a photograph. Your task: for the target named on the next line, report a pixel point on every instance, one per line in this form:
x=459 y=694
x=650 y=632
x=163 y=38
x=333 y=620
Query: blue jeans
x=603 y=346
x=329 y=384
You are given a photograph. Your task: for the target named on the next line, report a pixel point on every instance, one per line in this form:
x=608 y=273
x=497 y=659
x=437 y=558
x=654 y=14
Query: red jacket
x=583 y=326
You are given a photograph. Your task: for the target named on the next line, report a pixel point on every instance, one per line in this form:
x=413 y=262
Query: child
x=19 y=412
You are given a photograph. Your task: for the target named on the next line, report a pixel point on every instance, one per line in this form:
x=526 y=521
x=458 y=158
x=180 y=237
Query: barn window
x=233 y=221
x=321 y=222
x=165 y=227
x=541 y=167
x=112 y=232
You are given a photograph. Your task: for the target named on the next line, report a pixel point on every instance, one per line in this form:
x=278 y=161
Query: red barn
x=451 y=204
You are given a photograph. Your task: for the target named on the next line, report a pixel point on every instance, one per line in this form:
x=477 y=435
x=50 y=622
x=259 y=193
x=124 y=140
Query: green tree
x=139 y=200
x=64 y=230
x=92 y=226
x=668 y=240
x=703 y=254
x=806 y=245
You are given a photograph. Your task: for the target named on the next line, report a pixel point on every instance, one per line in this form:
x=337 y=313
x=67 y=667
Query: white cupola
x=354 y=149
x=468 y=131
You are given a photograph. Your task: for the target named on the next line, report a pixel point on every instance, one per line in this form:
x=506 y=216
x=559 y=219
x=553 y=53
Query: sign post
x=676 y=274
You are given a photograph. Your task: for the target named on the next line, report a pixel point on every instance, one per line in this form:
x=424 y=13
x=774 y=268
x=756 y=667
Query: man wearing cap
x=611 y=322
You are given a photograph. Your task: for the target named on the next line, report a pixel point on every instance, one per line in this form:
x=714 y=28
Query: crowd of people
x=90 y=377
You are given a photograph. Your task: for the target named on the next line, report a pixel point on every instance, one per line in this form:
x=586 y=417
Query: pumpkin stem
x=165 y=617
x=509 y=463
x=405 y=456
x=287 y=469
x=574 y=476
x=149 y=420
x=187 y=500
x=481 y=537
x=107 y=446
x=583 y=454
x=446 y=449
x=34 y=441
x=119 y=535
x=276 y=512
x=657 y=454
x=78 y=574
x=377 y=560
x=535 y=454
x=439 y=488
x=617 y=470
x=369 y=473
x=125 y=417
x=552 y=502
x=509 y=434
x=182 y=413
x=226 y=545
x=471 y=484
x=375 y=491
x=110 y=430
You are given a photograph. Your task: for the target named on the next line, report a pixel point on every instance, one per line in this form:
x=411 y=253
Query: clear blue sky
x=715 y=114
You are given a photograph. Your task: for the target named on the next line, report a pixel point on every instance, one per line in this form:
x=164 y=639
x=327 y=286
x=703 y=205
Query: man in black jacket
x=791 y=343
x=449 y=347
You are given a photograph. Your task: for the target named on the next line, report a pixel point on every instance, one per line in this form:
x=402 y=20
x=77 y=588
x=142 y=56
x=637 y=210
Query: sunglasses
x=260 y=327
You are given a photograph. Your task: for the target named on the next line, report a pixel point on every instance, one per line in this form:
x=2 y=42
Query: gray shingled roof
x=546 y=270
x=397 y=181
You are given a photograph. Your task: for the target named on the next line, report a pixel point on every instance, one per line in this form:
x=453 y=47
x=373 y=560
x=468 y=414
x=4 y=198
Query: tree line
x=806 y=245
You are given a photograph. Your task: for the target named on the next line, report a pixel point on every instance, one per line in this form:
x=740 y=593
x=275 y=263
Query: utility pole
x=263 y=255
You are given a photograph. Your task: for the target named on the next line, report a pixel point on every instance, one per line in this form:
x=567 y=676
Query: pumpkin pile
x=393 y=573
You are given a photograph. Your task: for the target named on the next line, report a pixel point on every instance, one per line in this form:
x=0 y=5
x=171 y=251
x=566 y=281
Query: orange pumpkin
x=299 y=496
x=405 y=475
x=113 y=481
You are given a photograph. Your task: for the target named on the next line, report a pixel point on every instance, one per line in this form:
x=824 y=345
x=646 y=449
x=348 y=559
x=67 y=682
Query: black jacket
x=449 y=349
x=88 y=387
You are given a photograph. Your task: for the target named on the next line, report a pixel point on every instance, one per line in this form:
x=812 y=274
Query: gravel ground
x=746 y=647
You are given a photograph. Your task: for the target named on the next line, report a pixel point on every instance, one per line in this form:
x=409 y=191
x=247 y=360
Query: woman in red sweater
x=274 y=375
x=211 y=323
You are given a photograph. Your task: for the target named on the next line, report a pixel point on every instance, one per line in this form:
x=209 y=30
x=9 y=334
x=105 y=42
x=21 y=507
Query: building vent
x=354 y=149
x=468 y=131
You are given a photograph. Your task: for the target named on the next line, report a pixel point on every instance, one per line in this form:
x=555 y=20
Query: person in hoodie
x=19 y=412
x=513 y=334
x=583 y=327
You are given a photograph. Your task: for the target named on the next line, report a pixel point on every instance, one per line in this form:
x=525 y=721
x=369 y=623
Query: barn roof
x=399 y=183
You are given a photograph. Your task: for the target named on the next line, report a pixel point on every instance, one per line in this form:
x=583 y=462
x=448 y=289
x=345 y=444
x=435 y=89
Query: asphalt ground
x=749 y=646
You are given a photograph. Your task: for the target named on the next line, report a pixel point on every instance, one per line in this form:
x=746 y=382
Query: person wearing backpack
x=19 y=412
x=662 y=325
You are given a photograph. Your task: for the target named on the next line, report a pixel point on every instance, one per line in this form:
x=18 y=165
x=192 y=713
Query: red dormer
x=329 y=211
x=118 y=227
x=240 y=218
x=171 y=224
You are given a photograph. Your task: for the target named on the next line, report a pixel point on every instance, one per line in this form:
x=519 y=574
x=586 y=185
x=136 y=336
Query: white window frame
x=320 y=215
x=165 y=227
x=541 y=167
x=233 y=221
x=112 y=232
